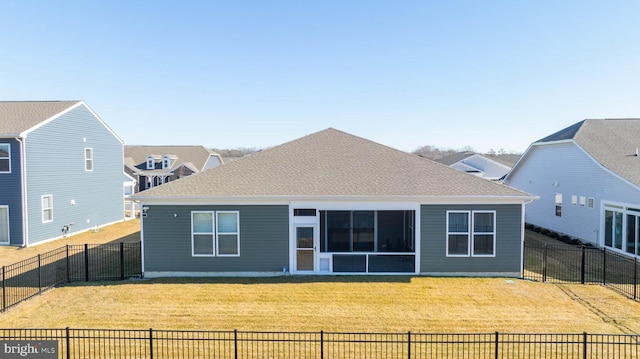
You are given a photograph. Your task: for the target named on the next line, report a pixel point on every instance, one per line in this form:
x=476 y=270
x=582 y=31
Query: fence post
x=39 y=275
x=409 y=345
x=121 y=261
x=497 y=345
x=86 y=262
x=4 y=290
x=635 y=278
x=68 y=341
x=582 y=268
x=68 y=267
x=322 y=344
x=150 y=343
x=235 y=343
x=584 y=345
x=544 y=263
x=604 y=266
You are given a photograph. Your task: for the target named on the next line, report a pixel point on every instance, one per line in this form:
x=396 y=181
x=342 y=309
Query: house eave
x=437 y=200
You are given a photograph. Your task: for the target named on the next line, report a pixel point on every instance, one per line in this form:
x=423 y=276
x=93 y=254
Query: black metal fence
x=105 y=343
x=71 y=263
x=582 y=264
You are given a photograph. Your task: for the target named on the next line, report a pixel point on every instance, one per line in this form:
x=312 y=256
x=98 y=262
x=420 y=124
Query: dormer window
x=150 y=163
x=166 y=162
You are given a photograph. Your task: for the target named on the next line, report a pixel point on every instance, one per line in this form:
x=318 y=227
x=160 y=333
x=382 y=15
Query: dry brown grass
x=378 y=304
x=128 y=231
x=345 y=303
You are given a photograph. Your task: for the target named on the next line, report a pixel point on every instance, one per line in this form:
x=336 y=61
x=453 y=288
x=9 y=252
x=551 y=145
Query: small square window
x=592 y=202
x=574 y=200
x=583 y=201
x=88 y=159
x=5 y=157
x=47 y=208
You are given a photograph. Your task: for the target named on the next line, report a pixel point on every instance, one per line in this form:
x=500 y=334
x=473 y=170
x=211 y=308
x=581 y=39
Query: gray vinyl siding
x=11 y=193
x=55 y=166
x=264 y=240
x=433 y=257
x=566 y=169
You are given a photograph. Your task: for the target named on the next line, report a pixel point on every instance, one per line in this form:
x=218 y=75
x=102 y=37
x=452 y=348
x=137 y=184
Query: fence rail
x=114 y=343
x=71 y=263
x=582 y=264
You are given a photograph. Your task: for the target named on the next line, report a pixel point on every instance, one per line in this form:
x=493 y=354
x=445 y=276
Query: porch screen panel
x=338 y=231
x=363 y=228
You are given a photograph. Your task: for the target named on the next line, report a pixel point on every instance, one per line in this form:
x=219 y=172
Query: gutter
x=23 y=185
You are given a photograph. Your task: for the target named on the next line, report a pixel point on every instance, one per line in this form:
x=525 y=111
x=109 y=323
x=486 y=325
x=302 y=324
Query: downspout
x=23 y=185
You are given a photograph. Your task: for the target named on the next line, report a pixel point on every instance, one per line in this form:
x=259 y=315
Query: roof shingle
x=17 y=117
x=331 y=164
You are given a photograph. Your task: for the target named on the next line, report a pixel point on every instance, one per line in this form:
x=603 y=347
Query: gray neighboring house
x=487 y=167
x=60 y=171
x=332 y=203
x=588 y=178
x=151 y=166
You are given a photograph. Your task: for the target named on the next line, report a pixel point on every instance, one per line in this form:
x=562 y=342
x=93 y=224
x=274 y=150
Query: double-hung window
x=47 y=208
x=215 y=233
x=5 y=157
x=471 y=233
x=88 y=159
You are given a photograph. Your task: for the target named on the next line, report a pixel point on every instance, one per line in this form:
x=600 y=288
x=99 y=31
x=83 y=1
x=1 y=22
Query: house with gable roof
x=588 y=179
x=152 y=166
x=477 y=164
x=294 y=208
x=60 y=171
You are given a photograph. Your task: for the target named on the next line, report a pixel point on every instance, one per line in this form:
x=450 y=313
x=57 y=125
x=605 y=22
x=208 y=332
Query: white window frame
x=166 y=162
x=583 y=201
x=150 y=163
x=574 y=199
x=236 y=233
x=8 y=225
x=215 y=234
x=88 y=159
x=558 y=204
x=8 y=145
x=467 y=233
x=471 y=233
x=492 y=233
x=45 y=209
x=591 y=202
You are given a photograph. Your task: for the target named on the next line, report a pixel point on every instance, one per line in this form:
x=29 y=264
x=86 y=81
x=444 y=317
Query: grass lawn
x=310 y=303
x=128 y=231
x=352 y=304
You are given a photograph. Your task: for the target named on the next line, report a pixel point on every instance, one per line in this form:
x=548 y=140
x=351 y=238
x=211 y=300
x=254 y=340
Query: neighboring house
x=332 y=203
x=60 y=171
x=588 y=178
x=477 y=164
x=152 y=166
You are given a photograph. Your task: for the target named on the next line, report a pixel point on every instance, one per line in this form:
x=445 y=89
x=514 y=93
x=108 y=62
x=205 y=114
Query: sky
x=255 y=74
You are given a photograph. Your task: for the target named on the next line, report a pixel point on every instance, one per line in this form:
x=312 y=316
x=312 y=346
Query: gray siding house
x=60 y=171
x=152 y=166
x=332 y=203
x=588 y=179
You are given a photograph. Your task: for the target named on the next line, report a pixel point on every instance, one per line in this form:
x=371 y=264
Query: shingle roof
x=19 y=116
x=611 y=142
x=195 y=155
x=331 y=164
x=455 y=158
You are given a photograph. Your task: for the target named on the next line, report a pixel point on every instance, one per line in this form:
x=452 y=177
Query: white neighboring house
x=476 y=164
x=588 y=179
